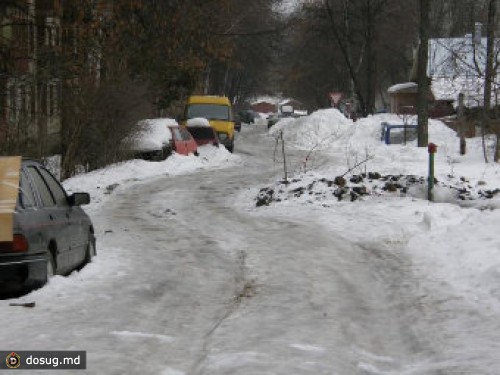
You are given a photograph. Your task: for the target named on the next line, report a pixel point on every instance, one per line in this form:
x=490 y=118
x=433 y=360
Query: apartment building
x=30 y=81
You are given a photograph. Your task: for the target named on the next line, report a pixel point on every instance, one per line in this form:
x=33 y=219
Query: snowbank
x=153 y=134
x=103 y=182
x=451 y=243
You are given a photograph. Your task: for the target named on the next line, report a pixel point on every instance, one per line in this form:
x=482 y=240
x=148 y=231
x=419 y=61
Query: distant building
x=264 y=107
x=457 y=65
x=34 y=36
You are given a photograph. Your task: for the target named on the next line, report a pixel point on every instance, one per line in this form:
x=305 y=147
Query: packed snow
x=452 y=246
x=101 y=183
x=453 y=240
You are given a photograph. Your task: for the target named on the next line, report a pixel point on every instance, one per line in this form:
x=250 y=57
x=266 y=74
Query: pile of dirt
x=364 y=185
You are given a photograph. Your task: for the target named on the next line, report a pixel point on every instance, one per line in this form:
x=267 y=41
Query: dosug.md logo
x=13 y=360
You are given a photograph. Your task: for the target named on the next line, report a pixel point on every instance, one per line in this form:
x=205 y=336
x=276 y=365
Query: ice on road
x=189 y=279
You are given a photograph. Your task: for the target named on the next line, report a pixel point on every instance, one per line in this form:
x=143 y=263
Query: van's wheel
x=91 y=251
x=51 y=265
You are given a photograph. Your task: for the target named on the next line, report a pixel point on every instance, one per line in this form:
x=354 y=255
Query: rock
x=339 y=193
x=297 y=192
x=265 y=197
x=339 y=181
x=356 y=179
x=110 y=188
x=360 y=190
x=389 y=186
x=374 y=175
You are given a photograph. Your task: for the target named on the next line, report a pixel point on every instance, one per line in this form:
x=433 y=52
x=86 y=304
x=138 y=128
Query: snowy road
x=194 y=286
x=238 y=294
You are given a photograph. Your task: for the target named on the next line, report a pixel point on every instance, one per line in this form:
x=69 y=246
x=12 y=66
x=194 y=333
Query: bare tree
x=423 y=82
x=490 y=35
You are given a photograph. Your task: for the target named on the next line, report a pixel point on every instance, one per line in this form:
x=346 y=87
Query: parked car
x=237 y=122
x=202 y=132
x=44 y=232
x=152 y=140
x=248 y=116
x=182 y=141
x=217 y=110
x=273 y=119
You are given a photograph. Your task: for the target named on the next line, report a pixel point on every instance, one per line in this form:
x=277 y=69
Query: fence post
x=432 y=148
x=461 y=124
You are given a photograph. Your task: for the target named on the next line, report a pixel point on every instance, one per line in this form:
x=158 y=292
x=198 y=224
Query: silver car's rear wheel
x=51 y=265
x=91 y=251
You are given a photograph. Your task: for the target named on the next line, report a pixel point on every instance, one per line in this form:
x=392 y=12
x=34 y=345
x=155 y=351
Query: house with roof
x=455 y=66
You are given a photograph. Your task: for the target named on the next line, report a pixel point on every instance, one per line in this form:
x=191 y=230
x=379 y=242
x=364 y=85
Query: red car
x=182 y=142
x=204 y=135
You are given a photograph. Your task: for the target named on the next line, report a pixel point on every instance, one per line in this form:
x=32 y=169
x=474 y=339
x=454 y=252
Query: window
x=209 y=111
x=185 y=134
x=177 y=134
x=57 y=191
x=52 y=102
x=27 y=198
x=202 y=132
x=12 y=101
x=24 y=100
x=41 y=186
x=31 y=37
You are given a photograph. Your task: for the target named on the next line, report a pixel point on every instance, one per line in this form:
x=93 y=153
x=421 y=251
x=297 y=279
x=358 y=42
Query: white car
x=152 y=141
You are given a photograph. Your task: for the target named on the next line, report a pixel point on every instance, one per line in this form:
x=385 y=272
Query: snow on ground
x=456 y=244
x=453 y=241
x=453 y=245
x=101 y=183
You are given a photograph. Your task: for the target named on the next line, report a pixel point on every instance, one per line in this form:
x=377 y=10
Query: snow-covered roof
x=457 y=65
x=407 y=86
x=265 y=99
x=445 y=88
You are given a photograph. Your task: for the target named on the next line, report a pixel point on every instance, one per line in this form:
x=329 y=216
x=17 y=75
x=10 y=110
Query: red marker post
x=432 y=148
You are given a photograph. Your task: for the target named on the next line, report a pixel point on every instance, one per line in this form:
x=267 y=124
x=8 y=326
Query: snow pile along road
x=101 y=183
x=458 y=246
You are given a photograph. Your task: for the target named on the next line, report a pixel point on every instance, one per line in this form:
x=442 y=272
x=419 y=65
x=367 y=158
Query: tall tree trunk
x=370 y=58
x=344 y=48
x=422 y=80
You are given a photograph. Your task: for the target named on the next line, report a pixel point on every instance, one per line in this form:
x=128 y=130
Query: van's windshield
x=209 y=111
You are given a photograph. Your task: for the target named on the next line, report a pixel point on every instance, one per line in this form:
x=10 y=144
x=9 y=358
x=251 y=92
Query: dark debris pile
x=365 y=184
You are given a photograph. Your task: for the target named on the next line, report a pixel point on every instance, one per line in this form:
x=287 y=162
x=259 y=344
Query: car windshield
x=208 y=111
x=201 y=132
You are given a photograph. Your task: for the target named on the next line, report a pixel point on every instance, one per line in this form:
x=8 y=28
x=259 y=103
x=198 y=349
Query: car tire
x=51 y=265
x=91 y=250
